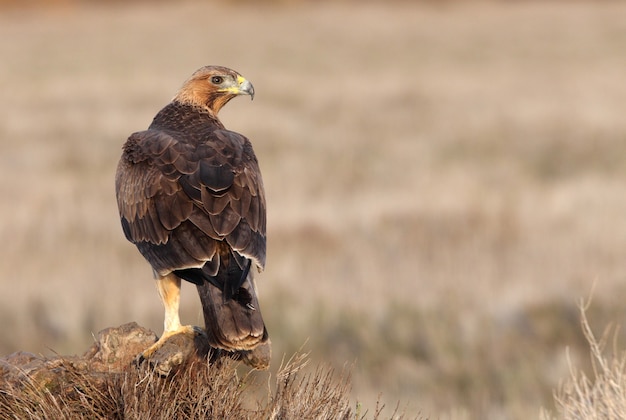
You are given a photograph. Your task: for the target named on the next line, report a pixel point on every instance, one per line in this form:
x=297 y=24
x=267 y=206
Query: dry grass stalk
x=601 y=396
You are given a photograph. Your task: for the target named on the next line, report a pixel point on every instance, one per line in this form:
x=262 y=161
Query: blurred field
x=444 y=182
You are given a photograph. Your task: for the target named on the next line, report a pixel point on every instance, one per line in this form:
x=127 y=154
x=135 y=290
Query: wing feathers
x=255 y=216
x=215 y=177
x=186 y=166
x=191 y=186
x=212 y=203
x=173 y=209
x=179 y=198
x=202 y=222
x=199 y=246
x=225 y=221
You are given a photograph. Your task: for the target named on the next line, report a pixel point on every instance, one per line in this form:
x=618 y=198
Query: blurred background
x=445 y=182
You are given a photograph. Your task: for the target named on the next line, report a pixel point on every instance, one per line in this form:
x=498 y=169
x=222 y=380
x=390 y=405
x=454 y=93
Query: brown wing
x=179 y=203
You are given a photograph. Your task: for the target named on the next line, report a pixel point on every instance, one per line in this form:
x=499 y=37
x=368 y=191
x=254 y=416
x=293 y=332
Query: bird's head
x=213 y=87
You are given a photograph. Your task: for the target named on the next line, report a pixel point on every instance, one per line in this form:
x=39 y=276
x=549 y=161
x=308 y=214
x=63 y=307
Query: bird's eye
x=216 y=80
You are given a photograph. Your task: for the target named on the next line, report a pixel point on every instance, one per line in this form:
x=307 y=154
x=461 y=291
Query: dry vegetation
x=600 y=395
x=198 y=391
x=444 y=183
x=185 y=380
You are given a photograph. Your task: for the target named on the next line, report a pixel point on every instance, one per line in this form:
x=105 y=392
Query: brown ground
x=444 y=183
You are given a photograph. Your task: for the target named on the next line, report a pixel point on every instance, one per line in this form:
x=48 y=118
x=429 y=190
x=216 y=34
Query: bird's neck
x=195 y=94
x=179 y=116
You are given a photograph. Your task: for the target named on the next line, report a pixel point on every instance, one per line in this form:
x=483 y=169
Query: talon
x=184 y=329
x=138 y=360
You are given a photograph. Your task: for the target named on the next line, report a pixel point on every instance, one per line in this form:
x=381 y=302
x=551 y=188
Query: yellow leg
x=169 y=290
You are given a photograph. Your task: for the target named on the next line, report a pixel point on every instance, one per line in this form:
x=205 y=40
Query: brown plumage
x=190 y=197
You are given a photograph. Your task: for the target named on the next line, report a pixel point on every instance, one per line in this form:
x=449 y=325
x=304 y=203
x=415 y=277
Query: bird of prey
x=191 y=198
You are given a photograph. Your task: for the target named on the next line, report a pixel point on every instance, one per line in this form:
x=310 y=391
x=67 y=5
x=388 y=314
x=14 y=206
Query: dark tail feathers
x=233 y=324
x=232 y=315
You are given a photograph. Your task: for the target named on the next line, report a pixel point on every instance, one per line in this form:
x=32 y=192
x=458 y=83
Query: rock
x=114 y=353
x=116 y=348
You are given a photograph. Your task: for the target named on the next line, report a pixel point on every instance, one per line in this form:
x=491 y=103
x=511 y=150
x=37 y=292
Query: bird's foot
x=172 y=349
x=184 y=329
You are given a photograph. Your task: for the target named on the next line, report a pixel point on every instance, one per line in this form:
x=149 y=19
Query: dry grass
x=444 y=182
x=601 y=395
x=199 y=392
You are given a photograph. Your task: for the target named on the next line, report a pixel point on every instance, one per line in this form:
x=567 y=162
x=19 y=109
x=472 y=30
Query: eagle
x=191 y=198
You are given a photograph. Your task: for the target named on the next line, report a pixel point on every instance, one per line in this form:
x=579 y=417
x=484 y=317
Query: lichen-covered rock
x=115 y=351
x=116 y=348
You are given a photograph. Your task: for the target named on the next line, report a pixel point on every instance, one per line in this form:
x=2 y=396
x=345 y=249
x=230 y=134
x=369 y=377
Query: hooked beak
x=245 y=87
x=240 y=87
